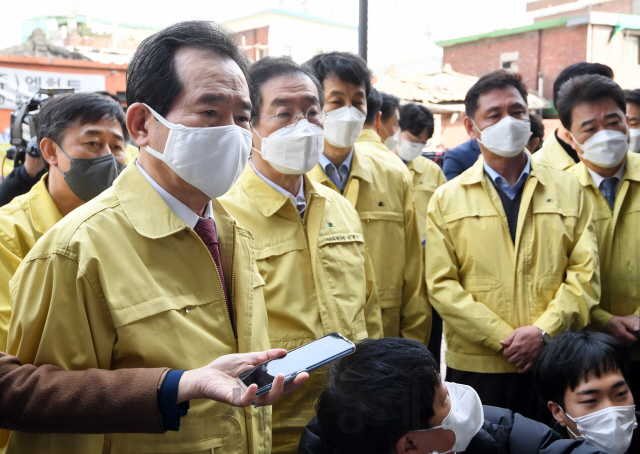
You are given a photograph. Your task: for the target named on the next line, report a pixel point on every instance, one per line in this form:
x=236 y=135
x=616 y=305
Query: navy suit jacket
x=460 y=158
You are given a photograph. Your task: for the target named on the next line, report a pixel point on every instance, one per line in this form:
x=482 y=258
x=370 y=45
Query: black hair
x=345 y=66
x=389 y=105
x=374 y=103
x=632 y=96
x=501 y=78
x=59 y=113
x=152 y=77
x=571 y=356
x=587 y=89
x=268 y=68
x=537 y=127
x=377 y=394
x=578 y=69
x=415 y=118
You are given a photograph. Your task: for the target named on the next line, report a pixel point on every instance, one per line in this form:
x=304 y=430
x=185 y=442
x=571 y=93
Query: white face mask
x=209 y=159
x=343 y=126
x=465 y=417
x=293 y=150
x=392 y=140
x=606 y=148
x=610 y=429
x=408 y=150
x=634 y=144
x=507 y=138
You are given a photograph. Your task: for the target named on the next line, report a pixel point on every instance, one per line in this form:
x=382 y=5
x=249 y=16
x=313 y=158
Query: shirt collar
x=180 y=209
x=298 y=200
x=598 y=179
x=324 y=162
x=502 y=183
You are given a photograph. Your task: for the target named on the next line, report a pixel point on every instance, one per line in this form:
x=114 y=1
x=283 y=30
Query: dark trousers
x=513 y=391
x=634 y=380
x=435 y=342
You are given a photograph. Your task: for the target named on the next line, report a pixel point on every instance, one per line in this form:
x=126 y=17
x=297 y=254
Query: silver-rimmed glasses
x=287 y=116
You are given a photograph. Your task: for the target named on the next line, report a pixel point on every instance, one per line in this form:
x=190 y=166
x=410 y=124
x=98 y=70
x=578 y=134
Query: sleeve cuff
x=170 y=411
x=599 y=318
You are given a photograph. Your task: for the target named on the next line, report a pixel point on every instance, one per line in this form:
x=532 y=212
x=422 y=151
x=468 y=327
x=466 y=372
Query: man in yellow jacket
x=556 y=151
x=512 y=255
x=592 y=109
x=85 y=128
x=378 y=185
x=152 y=272
x=309 y=245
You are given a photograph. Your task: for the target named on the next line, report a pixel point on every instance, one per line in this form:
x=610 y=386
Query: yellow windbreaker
x=22 y=222
x=552 y=154
x=123 y=282
x=426 y=176
x=379 y=187
x=618 y=245
x=318 y=280
x=484 y=287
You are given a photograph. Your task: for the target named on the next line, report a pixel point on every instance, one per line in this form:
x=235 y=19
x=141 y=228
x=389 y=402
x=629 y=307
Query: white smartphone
x=306 y=358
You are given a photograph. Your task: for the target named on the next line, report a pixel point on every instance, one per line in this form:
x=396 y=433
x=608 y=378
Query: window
x=509 y=60
x=632 y=49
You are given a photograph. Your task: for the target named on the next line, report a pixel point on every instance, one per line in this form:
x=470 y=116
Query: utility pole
x=362 y=28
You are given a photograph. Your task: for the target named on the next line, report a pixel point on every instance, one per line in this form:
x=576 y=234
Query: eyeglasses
x=287 y=116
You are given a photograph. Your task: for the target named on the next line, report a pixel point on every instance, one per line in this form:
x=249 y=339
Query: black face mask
x=88 y=177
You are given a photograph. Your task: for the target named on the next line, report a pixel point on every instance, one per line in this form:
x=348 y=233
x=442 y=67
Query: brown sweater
x=51 y=399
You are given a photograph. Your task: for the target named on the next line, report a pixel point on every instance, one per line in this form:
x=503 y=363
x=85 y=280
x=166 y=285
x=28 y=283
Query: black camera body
x=24 y=115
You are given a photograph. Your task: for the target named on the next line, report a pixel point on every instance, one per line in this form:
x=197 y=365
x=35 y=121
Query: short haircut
x=61 y=112
x=578 y=69
x=492 y=81
x=374 y=103
x=152 y=77
x=537 y=127
x=632 y=96
x=587 y=89
x=571 y=356
x=268 y=68
x=379 y=393
x=389 y=105
x=415 y=118
x=345 y=66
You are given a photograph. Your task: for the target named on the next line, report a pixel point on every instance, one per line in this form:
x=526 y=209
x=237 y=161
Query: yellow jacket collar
x=631 y=171
x=147 y=212
x=267 y=199
x=476 y=173
x=369 y=135
x=44 y=212
x=360 y=166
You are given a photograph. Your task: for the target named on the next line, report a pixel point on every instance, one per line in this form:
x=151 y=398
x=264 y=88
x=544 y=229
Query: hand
x=625 y=329
x=219 y=381
x=522 y=347
x=32 y=165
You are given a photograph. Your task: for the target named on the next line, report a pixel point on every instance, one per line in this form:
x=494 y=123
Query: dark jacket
x=50 y=399
x=635 y=440
x=460 y=158
x=17 y=183
x=503 y=432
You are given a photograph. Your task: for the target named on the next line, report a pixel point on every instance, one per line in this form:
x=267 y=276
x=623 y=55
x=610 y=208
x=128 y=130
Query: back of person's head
x=345 y=66
x=578 y=69
x=151 y=75
x=415 y=118
x=569 y=359
x=537 y=133
x=269 y=68
x=389 y=105
x=632 y=96
x=494 y=80
x=374 y=103
x=379 y=393
x=61 y=112
x=587 y=89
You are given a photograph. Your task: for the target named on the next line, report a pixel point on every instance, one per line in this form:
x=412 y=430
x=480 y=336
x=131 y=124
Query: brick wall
x=560 y=47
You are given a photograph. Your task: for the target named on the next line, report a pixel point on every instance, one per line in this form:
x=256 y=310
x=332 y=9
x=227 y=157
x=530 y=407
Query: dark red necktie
x=206 y=230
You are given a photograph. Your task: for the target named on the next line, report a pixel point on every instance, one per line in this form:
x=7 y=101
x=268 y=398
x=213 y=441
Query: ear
x=471 y=129
x=571 y=141
x=137 y=124
x=556 y=412
x=378 y=121
x=256 y=141
x=49 y=151
x=405 y=445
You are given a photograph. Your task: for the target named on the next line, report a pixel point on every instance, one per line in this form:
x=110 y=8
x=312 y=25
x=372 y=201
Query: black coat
x=17 y=183
x=503 y=432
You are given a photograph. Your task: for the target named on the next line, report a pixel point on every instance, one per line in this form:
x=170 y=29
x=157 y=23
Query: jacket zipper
x=233 y=286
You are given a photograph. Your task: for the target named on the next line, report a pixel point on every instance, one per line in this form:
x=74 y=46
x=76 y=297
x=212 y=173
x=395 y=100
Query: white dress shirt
x=298 y=200
x=598 y=179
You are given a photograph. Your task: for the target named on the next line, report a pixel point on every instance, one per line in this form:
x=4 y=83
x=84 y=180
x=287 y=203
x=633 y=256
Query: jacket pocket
x=491 y=293
x=199 y=447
